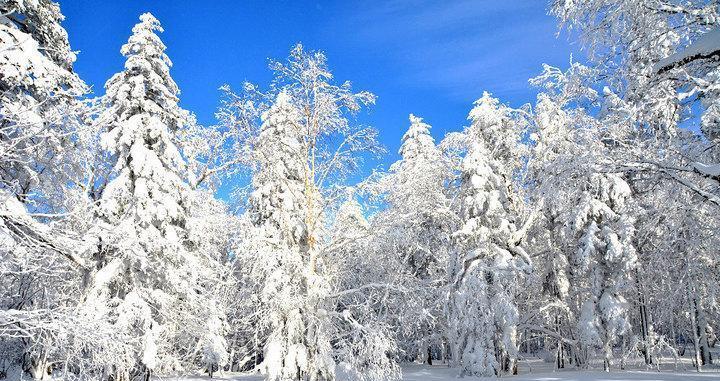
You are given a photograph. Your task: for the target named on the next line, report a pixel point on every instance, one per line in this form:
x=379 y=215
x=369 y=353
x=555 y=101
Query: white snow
x=415 y=372
x=584 y=248
x=707 y=169
x=706 y=44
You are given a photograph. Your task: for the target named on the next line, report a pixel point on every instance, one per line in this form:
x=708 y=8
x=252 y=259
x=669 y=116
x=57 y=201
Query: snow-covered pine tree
x=416 y=192
x=591 y=206
x=550 y=165
x=557 y=163
x=416 y=226
x=150 y=279
x=605 y=251
x=486 y=265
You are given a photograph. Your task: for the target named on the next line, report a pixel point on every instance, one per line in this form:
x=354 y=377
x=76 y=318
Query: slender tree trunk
x=39 y=367
x=560 y=355
x=693 y=328
x=527 y=341
x=606 y=363
x=444 y=352
x=644 y=321
x=701 y=327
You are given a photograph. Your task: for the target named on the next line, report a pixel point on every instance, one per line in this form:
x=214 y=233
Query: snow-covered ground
x=440 y=373
x=532 y=370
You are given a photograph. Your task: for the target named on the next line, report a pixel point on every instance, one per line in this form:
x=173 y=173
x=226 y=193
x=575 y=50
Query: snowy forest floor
x=530 y=370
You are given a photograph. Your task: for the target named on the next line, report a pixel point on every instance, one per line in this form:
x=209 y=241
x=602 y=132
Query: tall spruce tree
x=150 y=278
x=485 y=269
x=605 y=250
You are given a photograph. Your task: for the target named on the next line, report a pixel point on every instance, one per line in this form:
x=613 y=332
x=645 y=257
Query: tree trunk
x=701 y=321
x=560 y=355
x=39 y=368
x=693 y=328
x=644 y=325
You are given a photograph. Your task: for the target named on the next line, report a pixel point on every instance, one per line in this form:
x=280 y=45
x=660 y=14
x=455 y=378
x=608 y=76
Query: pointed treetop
x=150 y=21
x=144 y=41
x=417 y=138
x=145 y=86
x=495 y=127
x=417 y=127
x=415 y=119
x=485 y=110
x=350 y=219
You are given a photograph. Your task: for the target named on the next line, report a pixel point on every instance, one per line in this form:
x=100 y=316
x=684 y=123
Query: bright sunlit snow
x=573 y=237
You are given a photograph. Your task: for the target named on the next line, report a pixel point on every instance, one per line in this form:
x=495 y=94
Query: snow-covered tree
x=553 y=161
x=416 y=225
x=486 y=267
x=606 y=251
x=38 y=91
x=150 y=279
x=118 y=262
x=305 y=147
x=418 y=203
x=297 y=344
x=213 y=345
x=660 y=59
x=40 y=265
x=557 y=164
x=368 y=296
x=658 y=63
x=589 y=254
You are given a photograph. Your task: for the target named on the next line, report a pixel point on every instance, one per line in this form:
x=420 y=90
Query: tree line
x=580 y=228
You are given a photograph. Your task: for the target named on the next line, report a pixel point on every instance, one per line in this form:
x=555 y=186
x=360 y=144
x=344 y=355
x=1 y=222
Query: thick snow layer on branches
x=543 y=242
x=707 y=46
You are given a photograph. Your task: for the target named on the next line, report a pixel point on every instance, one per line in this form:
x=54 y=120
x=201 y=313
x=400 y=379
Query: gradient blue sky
x=430 y=58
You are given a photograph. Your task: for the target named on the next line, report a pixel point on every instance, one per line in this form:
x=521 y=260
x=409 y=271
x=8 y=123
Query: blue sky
x=430 y=58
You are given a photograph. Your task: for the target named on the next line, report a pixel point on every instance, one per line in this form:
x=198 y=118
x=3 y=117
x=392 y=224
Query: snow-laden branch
x=670 y=171
x=32 y=235
x=545 y=331
x=385 y=286
x=706 y=47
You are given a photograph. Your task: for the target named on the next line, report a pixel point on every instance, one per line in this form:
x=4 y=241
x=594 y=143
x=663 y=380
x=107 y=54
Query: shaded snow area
x=532 y=370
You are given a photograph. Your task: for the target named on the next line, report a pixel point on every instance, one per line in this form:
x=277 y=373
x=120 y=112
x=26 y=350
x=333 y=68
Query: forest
x=579 y=230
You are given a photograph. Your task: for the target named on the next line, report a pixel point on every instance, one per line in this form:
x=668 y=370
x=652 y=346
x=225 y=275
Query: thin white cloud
x=459 y=47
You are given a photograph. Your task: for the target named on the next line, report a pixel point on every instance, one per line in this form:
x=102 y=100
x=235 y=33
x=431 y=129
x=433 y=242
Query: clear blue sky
x=430 y=58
